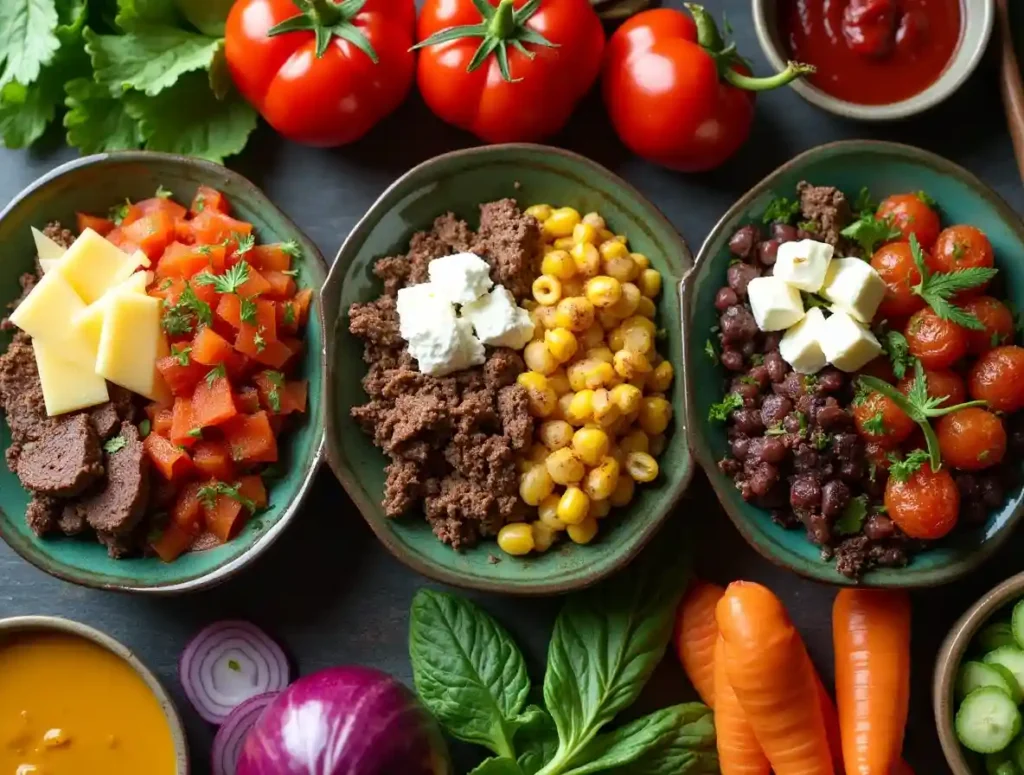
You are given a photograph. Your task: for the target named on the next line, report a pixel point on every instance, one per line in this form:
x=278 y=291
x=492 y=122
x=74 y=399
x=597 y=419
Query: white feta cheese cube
x=854 y=286
x=803 y=264
x=775 y=304
x=801 y=344
x=461 y=278
x=498 y=320
x=421 y=309
x=847 y=344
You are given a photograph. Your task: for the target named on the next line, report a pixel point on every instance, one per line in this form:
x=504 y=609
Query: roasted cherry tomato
x=998 y=322
x=879 y=420
x=998 y=377
x=961 y=247
x=926 y=505
x=543 y=59
x=895 y=265
x=939 y=383
x=937 y=343
x=911 y=215
x=971 y=438
x=880 y=367
x=675 y=95
x=325 y=74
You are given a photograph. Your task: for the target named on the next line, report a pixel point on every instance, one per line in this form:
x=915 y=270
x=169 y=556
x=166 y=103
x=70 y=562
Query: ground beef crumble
x=452 y=440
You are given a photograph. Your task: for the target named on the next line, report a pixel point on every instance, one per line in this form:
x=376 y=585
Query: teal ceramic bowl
x=460 y=182
x=884 y=168
x=93 y=184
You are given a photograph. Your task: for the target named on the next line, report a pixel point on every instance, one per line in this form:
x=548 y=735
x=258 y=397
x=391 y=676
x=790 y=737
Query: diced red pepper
x=255 y=285
x=172 y=542
x=102 y=226
x=210 y=348
x=159 y=204
x=181 y=379
x=184 y=430
x=251 y=439
x=287 y=317
x=248 y=400
x=254 y=338
x=213 y=404
x=270 y=257
x=213 y=460
x=187 y=512
x=162 y=422
x=282 y=286
x=213 y=227
x=239 y=366
x=172 y=462
x=207 y=198
x=180 y=260
x=229 y=309
x=291 y=396
x=224 y=518
x=304 y=298
x=118 y=238
x=152 y=233
x=252 y=487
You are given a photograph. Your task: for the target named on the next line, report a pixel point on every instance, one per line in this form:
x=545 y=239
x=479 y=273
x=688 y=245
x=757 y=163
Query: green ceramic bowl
x=94 y=184
x=884 y=168
x=459 y=182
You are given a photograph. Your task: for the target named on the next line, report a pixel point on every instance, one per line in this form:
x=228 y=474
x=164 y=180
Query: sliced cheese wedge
x=46 y=248
x=93 y=266
x=130 y=343
x=90 y=320
x=67 y=387
x=46 y=314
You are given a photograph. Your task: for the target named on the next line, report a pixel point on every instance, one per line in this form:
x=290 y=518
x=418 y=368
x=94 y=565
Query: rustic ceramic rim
x=948 y=662
x=267 y=538
x=979 y=17
x=697 y=424
x=336 y=278
x=24 y=624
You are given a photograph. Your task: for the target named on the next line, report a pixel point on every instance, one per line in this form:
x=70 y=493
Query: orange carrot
x=871 y=637
x=831 y=719
x=738 y=750
x=769 y=669
x=695 y=636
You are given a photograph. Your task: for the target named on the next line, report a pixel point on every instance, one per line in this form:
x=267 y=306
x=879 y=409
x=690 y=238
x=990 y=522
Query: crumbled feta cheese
x=437 y=339
x=803 y=264
x=847 y=344
x=498 y=320
x=800 y=346
x=461 y=278
x=855 y=287
x=775 y=304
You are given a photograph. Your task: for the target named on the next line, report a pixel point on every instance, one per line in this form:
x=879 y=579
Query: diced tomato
x=254 y=339
x=217 y=255
x=169 y=288
x=172 y=542
x=229 y=309
x=159 y=204
x=213 y=404
x=290 y=396
x=210 y=348
x=172 y=462
x=295 y=396
x=130 y=215
x=224 y=518
x=152 y=233
x=212 y=227
x=255 y=285
x=251 y=439
x=239 y=366
x=162 y=422
x=206 y=293
x=304 y=299
x=180 y=260
x=181 y=379
x=287 y=317
x=275 y=354
x=207 y=198
x=213 y=459
x=119 y=239
x=276 y=257
x=187 y=512
x=282 y=286
x=252 y=487
x=102 y=226
x=248 y=399
x=183 y=231
x=184 y=431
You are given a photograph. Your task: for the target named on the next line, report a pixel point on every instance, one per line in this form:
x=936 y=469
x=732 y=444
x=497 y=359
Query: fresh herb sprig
x=720 y=412
x=938 y=288
x=895 y=346
x=902 y=469
x=229 y=282
x=209 y=493
x=869 y=230
x=183 y=316
x=781 y=210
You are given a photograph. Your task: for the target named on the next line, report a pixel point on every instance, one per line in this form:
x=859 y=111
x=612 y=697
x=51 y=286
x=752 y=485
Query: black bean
x=831 y=415
x=805 y=458
x=748 y=348
x=747 y=421
x=878 y=527
x=792 y=423
x=969 y=487
x=725 y=298
x=762 y=478
x=739 y=447
x=805 y=493
x=852 y=471
x=991 y=492
x=773 y=449
x=774 y=410
x=784 y=232
x=846 y=446
x=767 y=251
x=739 y=277
x=818 y=530
x=730 y=467
x=785 y=518
x=733 y=360
x=830 y=380
x=775 y=498
x=834 y=497
x=744 y=390
x=777 y=367
x=738 y=325
x=742 y=242
x=792 y=386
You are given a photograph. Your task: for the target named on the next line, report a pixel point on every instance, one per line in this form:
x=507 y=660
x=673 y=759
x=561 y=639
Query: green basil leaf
x=536 y=739
x=500 y=766
x=467 y=670
x=627 y=743
x=690 y=750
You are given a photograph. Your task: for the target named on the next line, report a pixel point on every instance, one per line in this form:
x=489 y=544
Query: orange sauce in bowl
x=70 y=707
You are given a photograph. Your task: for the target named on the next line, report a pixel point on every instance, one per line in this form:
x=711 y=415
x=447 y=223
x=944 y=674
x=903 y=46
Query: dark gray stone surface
x=329 y=591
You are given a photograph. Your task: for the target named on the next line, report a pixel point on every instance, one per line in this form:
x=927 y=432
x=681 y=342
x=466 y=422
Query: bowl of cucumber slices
x=979 y=685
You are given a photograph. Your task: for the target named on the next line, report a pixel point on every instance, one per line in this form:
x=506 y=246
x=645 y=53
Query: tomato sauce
x=872 y=52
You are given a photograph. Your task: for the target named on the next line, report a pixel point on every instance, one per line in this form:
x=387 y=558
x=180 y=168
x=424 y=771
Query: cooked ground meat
x=42 y=514
x=827 y=208
x=63 y=237
x=107 y=418
x=64 y=462
x=72 y=520
x=452 y=440
x=119 y=503
x=21 y=397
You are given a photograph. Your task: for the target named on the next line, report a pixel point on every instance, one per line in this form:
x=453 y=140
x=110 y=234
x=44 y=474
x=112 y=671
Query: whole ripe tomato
x=939 y=383
x=936 y=342
x=961 y=247
x=998 y=322
x=911 y=214
x=514 y=73
x=879 y=420
x=325 y=75
x=971 y=439
x=926 y=505
x=674 y=96
x=895 y=265
x=998 y=377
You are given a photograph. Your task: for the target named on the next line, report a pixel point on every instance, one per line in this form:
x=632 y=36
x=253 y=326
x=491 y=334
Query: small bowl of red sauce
x=876 y=60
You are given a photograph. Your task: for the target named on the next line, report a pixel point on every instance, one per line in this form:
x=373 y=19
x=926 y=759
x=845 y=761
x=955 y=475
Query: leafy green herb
x=775 y=430
x=291 y=248
x=746 y=379
x=958 y=251
x=902 y=470
x=803 y=422
x=995 y=339
x=757 y=359
x=291 y=272
x=163 y=193
x=166 y=284
x=868 y=231
x=864 y=202
x=852 y=519
x=258 y=341
x=709 y=350
x=781 y=210
x=983 y=455
x=821 y=440
x=181 y=354
x=217 y=372
x=247 y=310
x=115 y=444
x=243 y=243
x=894 y=345
x=195 y=433
x=289 y=316
x=811 y=300
x=924 y=197
x=199 y=203
x=875 y=425
x=190 y=310
x=145 y=428
x=809 y=226
x=720 y=412
x=276 y=380
x=229 y=282
x=937 y=288
x=209 y=493
x=118 y=213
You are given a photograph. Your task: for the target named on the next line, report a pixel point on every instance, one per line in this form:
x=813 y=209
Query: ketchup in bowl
x=872 y=52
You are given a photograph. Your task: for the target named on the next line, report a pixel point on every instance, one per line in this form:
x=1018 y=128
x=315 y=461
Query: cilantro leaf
x=163 y=193
x=28 y=38
x=781 y=210
x=243 y=243
x=276 y=380
x=709 y=350
x=229 y=282
x=867 y=231
x=115 y=444
x=864 y=203
x=289 y=317
x=775 y=430
x=291 y=248
x=258 y=341
x=937 y=288
x=894 y=344
x=97 y=122
x=926 y=199
x=247 y=311
x=208 y=495
x=902 y=470
x=217 y=372
x=720 y=412
x=195 y=433
x=852 y=519
x=181 y=354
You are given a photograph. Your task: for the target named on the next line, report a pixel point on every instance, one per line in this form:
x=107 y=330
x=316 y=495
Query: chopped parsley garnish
x=115 y=444
x=145 y=428
x=166 y=284
x=775 y=430
x=803 y=422
x=902 y=470
x=247 y=311
x=958 y=251
x=995 y=339
x=852 y=519
x=290 y=272
x=215 y=373
x=276 y=380
x=289 y=320
x=808 y=226
x=875 y=425
x=120 y=212
x=821 y=440
x=245 y=244
x=199 y=203
x=181 y=354
x=229 y=282
x=894 y=344
x=258 y=341
x=205 y=250
x=182 y=317
x=163 y=193
x=926 y=198
x=864 y=203
x=709 y=349
x=860 y=393
x=208 y=495
x=983 y=456
x=746 y=379
x=195 y=433
x=868 y=230
x=781 y=210
x=757 y=359
x=810 y=300
x=937 y=288
x=720 y=412
x=291 y=248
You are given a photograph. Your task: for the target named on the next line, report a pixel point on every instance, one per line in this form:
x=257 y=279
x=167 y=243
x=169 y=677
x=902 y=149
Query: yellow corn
x=623 y=492
x=555 y=434
x=649 y=283
x=559 y=382
x=606 y=413
x=562 y=408
x=612 y=248
x=564 y=466
x=604 y=234
x=599 y=483
x=622 y=268
x=660 y=379
x=558 y=263
x=603 y=291
x=573 y=287
x=586 y=258
x=547 y=289
x=655 y=415
x=543 y=536
x=634 y=441
x=599 y=509
x=537 y=453
x=589 y=373
x=641 y=466
x=626 y=397
x=573 y=506
x=583 y=532
x=581 y=407
x=595 y=220
x=531 y=380
x=543 y=317
x=608 y=320
x=575 y=313
x=646 y=308
x=641 y=322
x=535 y=485
x=541 y=403
x=590 y=445
x=592 y=337
x=539 y=358
x=657 y=444
x=516 y=539
x=638 y=340
x=642 y=262
x=601 y=353
x=547 y=512
x=563 y=243
x=617 y=339
x=540 y=212
x=584 y=232
x=561 y=222
x=627 y=305
x=561 y=343
x=629 y=364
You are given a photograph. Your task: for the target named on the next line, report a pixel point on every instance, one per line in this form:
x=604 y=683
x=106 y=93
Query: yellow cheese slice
x=46 y=248
x=47 y=264
x=46 y=314
x=89 y=321
x=67 y=387
x=93 y=266
x=130 y=344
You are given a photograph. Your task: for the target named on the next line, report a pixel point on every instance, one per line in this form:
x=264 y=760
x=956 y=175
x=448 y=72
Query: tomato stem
x=324 y=13
x=793 y=71
x=503 y=24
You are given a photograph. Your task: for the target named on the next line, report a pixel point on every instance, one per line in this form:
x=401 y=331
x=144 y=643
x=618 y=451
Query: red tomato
x=998 y=322
x=937 y=343
x=879 y=420
x=328 y=97
x=666 y=98
x=925 y=506
x=961 y=247
x=535 y=95
x=895 y=265
x=939 y=384
x=971 y=438
x=911 y=215
x=998 y=377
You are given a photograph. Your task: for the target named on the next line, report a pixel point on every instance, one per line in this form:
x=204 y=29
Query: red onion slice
x=226 y=664
x=228 y=742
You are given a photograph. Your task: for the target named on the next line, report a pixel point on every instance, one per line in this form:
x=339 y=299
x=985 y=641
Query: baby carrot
x=871 y=637
x=738 y=750
x=695 y=636
x=772 y=675
x=831 y=719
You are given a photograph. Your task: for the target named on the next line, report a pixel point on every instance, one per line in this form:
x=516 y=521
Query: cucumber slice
x=999 y=764
x=1012 y=659
x=1017 y=622
x=987 y=720
x=995 y=635
x=974 y=675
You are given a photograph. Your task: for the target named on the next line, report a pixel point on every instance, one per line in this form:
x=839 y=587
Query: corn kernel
x=601 y=353
x=595 y=220
x=623 y=239
x=646 y=308
x=655 y=358
x=559 y=382
x=537 y=453
x=641 y=466
x=637 y=340
x=603 y=235
x=617 y=339
x=564 y=466
x=562 y=408
x=543 y=317
x=590 y=445
x=575 y=313
x=626 y=397
x=655 y=415
x=581 y=407
x=627 y=304
x=660 y=379
x=555 y=434
x=535 y=485
x=584 y=232
x=623 y=492
x=642 y=262
x=649 y=283
x=658 y=442
x=561 y=343
x=592 y=337
x=587 y=259
x=589 y=373
x=547 y=512
x=629 y=364
x=612 y=248
x=516 y=539
x=563 y=243
x=620 y=426
x=541 y=403
x=573 y=506
x=573 y=287
x=539 y=358
x=558 y=263
x=583 y=532
x=540 y=212
x=641 y=322
x=561 y=222
x=606 y=413
x=603 y=291
x=607 y=320
x=599 y=509
x=543 y=536
x=622 y=268
x=547 y=290
x=635 y=441
x=531 y=380
x=600 y=481
x=529 y=305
